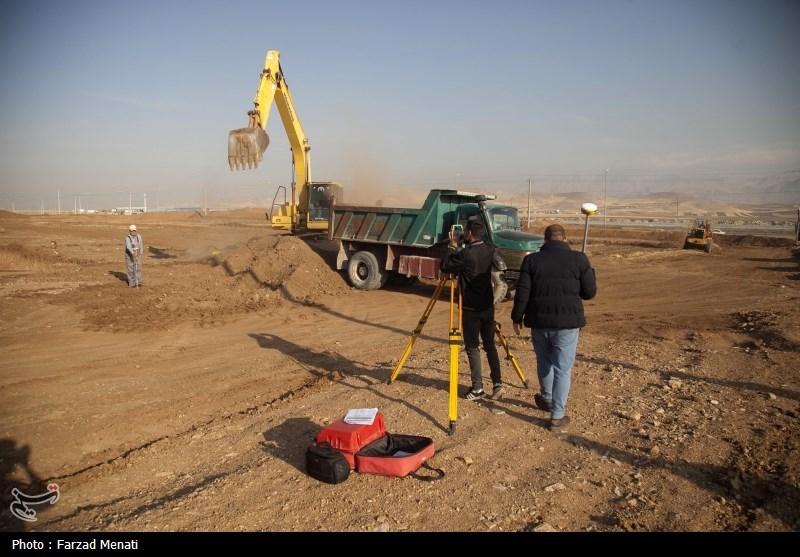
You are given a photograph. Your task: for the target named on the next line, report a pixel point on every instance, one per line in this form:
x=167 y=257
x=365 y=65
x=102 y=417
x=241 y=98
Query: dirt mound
x=285 y=263
x=260 y=276
x=9 y=215
x=16 y=257
x=749 y=240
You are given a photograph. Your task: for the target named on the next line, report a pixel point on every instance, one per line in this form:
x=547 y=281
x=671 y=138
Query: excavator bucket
x=246 y=147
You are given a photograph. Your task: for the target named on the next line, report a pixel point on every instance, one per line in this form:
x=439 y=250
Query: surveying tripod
x=454 y=342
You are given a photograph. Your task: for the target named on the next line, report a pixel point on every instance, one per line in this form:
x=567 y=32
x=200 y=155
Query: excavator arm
x=246 y=146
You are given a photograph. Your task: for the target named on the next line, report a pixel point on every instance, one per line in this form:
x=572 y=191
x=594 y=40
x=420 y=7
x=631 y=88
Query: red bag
x=398 y=456
x=351 y=438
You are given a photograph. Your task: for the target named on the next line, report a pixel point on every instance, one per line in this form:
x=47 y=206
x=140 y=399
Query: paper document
x=362 y=416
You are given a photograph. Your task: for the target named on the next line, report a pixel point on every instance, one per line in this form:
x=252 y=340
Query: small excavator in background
x=700 y=236
x=309 y=207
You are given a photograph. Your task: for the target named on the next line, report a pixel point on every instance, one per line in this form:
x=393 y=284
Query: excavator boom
x=310 y=201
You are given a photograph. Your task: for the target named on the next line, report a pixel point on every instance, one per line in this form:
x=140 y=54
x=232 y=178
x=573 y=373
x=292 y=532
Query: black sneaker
x=541 y=403
x=558 y=425
x=498 y=391
x=473 y=394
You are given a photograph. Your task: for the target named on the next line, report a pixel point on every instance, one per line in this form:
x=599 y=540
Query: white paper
x=362 y=416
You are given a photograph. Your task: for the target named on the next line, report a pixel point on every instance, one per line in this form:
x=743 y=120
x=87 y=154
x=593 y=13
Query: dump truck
x=310 y=201
x=386 y=245
x=700 y=236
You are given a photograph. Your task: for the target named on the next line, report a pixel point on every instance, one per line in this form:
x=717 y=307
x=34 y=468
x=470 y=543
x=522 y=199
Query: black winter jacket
x=473 y=264
x=552 y=284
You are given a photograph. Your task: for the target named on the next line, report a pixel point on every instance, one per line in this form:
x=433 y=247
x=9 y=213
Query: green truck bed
x=422 y=227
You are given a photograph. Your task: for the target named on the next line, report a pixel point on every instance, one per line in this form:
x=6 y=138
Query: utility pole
x=144 y=201
x=605 y=195
x=677 y=206
x=797 y=239
x=530 y=185
x=205 y=201
x=59 y=201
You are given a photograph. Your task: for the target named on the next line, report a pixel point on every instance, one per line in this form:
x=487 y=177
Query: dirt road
x=187 y=404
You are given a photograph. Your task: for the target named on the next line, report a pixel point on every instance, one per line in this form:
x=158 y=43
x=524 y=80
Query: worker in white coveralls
x=133 y=257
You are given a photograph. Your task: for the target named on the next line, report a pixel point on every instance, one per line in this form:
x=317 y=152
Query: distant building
x=129 y=210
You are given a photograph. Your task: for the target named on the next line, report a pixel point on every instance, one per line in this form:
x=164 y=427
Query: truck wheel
x=365 y=271
x=709 y=245
x=500 y=286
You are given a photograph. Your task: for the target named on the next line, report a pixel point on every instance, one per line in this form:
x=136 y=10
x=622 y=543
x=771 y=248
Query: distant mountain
x=778 y=188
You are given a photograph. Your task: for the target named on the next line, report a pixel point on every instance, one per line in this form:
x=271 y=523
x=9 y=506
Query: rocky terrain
x=186 y=405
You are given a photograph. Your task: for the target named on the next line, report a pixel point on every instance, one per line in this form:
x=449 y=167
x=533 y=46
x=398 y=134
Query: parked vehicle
x=380 y=245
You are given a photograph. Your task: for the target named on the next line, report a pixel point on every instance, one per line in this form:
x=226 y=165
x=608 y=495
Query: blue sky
x=102 y=98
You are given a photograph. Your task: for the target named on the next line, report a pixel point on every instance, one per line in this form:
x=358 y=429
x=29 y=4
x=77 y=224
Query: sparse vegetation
x=16 y=257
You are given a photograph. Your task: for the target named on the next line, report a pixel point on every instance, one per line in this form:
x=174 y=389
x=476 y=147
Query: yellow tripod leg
x=509 y=355
x=417 y=331
x=455 y=345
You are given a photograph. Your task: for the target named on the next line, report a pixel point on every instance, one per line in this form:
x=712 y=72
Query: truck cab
x=504 y=230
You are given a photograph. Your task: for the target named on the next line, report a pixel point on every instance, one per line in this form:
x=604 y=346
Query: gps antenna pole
x=587 y=209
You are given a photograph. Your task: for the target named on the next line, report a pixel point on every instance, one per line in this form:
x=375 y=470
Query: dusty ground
x=186 y=405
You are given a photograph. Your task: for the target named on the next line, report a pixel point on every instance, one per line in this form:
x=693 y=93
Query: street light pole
x=605 y=195
x=530 y=183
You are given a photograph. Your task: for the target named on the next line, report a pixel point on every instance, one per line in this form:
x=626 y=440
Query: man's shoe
x=472 y=394
x=541 y=403
x=498 y=391
x=558 y=425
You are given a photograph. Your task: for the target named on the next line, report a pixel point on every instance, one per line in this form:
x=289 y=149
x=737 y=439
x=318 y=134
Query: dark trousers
x=478 y=326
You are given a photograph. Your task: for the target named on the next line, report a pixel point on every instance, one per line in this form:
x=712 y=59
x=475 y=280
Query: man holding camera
x=473 y=265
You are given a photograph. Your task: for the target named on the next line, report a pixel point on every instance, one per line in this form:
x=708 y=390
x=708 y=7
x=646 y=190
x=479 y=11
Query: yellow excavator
x=309 y=207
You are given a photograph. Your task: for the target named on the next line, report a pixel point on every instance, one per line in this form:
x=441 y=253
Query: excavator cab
x=246 y=147
x=321 y=196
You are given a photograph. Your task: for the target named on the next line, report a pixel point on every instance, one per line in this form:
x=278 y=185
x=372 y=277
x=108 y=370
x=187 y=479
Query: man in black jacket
x=473 y=265
x=552 y=285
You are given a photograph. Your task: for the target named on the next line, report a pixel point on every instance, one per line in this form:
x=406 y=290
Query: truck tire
x=365 y=272
x=500 y=286
x=709 y=245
